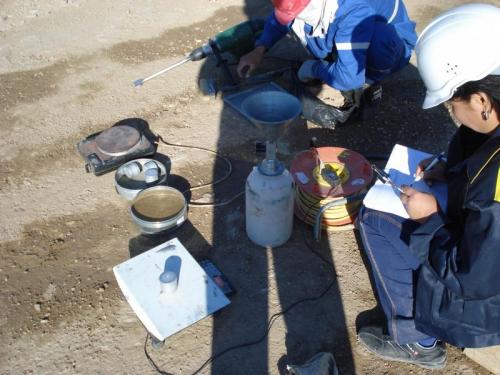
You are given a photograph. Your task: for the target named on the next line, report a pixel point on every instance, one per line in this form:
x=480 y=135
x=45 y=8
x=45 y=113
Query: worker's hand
x=305 y=72
x=437 y=173
x=418 y=205
x=250 y=61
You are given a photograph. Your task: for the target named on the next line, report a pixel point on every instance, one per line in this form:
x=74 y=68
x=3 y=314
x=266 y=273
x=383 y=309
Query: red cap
x=286 y=10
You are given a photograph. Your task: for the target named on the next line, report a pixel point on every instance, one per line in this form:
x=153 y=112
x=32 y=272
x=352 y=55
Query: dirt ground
x=66 y=71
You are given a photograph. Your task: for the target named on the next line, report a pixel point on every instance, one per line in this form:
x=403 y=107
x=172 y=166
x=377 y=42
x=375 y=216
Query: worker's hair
x=486 y=85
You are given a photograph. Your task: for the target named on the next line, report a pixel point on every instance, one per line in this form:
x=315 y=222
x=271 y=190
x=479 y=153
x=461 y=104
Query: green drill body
x=236 y=40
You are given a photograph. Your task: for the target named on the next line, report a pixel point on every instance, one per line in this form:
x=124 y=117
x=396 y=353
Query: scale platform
x=165 y=313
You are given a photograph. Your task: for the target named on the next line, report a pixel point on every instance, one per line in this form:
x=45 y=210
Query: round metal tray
x=158 y=209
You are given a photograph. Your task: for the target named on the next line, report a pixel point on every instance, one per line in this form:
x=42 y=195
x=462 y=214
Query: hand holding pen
x=432 y=168
x=385 y=178
x=418 y=205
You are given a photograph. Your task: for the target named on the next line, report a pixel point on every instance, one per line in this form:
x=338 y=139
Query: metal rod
x=317 y=222
x=140 y=81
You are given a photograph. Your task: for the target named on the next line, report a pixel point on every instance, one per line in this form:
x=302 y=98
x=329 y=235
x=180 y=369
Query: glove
x=306 y=70
x=250 y=61
x=322 y=114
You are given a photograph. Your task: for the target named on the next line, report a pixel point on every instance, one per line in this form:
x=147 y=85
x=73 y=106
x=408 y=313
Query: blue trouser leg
x=387 y=53
x=386 y=243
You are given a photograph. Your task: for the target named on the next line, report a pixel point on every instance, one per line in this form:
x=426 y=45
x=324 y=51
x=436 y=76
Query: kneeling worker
x=436 y=274
x=354 y=43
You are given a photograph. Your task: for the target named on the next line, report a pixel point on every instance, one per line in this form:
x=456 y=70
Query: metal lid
x=353 y=169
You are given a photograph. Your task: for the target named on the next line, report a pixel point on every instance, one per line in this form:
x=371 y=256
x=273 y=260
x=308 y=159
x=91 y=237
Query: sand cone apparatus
x=326 y=174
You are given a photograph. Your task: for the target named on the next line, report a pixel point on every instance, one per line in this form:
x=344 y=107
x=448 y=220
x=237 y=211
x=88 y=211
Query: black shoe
x=372 y=94
x=385 y=347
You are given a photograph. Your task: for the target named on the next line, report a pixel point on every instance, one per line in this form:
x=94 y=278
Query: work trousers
x=387 y=53
x=386 y=244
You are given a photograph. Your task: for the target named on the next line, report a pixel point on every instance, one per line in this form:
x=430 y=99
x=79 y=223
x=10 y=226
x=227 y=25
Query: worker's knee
x=386 y=54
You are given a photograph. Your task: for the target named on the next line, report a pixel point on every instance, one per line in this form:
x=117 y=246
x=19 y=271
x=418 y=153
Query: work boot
x=385 y=347
x=372 y=94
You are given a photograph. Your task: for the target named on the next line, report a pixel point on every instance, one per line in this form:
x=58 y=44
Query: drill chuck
x=201 y=52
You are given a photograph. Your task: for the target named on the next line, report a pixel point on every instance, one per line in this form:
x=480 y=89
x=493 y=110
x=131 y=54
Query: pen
x=385 y=178
x=431 y=165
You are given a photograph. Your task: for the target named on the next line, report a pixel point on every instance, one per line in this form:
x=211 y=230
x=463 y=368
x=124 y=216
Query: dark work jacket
x=458 y=287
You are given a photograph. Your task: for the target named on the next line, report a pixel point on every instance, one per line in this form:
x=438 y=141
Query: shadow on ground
x=294 y=271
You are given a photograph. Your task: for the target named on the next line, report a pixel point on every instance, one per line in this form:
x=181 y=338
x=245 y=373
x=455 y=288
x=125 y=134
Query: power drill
x=237 y=40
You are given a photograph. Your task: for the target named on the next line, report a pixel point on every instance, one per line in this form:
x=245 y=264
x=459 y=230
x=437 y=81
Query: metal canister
x=151 y=172
x=151 y=175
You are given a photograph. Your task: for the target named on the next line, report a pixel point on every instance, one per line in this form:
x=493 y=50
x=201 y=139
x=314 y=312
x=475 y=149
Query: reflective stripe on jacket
x=354 y=37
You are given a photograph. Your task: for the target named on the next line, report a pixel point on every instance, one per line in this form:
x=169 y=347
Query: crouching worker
x=436 y=275
x=353 y=43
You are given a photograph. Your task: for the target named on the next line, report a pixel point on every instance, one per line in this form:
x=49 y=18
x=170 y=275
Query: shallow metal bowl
x=157 y=209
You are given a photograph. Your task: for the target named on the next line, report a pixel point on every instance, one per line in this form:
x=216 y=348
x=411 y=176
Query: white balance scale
x=168 y=289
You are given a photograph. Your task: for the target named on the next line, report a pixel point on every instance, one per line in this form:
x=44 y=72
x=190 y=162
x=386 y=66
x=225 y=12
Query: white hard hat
x=461 y=45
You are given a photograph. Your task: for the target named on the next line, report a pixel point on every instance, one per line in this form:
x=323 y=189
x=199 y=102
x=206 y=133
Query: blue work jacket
x=458 y=287
x=368 y=39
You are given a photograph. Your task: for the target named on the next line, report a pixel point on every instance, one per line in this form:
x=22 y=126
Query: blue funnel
x=271 y=112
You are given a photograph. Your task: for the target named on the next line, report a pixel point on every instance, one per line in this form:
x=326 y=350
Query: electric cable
x=270 y=323
x=271 y=320
x=308 y=205
x=275 y=316
x=213 y=183
x=292 y=62
x=333 y=189
x=272 y=57
x=150 y=360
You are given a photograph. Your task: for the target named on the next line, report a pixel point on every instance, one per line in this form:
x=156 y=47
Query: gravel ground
x=66 y=71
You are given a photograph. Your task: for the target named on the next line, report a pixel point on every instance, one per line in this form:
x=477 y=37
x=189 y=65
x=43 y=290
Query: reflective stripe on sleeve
x=394 y=12
x=350 y=46
x=497 y=188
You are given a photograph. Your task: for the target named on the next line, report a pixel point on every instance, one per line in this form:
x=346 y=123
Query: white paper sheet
x=401 y=167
